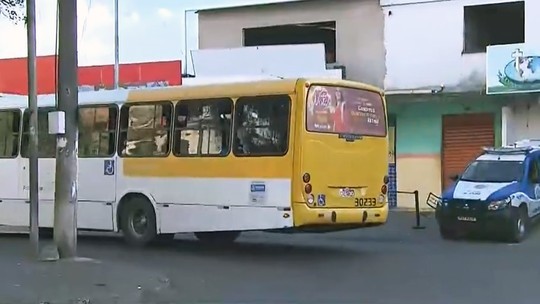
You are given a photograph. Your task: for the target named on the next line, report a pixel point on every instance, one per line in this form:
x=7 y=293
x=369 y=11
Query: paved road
x=388 y=265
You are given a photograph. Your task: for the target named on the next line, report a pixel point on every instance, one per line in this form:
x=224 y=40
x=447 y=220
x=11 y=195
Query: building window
x=46 y=141
x=203 y=127
x=10 y=125
x=145 y=130
x=262 y=126
x=304 y=33
x=493 y=24
x=97 y=131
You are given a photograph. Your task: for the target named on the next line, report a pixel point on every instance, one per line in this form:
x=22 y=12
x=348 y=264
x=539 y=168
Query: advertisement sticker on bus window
x=340 y=110
x=257 y=192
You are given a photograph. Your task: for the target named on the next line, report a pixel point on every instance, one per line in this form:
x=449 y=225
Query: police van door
x=534 y=184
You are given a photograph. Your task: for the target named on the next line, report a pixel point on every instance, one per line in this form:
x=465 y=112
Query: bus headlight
x=498 y=205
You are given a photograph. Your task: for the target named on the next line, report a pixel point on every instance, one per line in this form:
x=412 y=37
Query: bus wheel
x=218 y=237
x=138 y=222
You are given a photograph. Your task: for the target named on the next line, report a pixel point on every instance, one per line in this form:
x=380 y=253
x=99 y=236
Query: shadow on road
x=260 y=249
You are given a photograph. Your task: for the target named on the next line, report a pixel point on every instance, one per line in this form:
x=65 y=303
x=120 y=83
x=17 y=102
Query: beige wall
x=359 y=26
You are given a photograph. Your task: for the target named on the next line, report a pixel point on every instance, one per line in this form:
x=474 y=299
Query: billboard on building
x=512 y=68
x=14 y=80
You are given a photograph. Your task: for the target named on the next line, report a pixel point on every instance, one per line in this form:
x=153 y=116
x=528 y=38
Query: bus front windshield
x=339 y=110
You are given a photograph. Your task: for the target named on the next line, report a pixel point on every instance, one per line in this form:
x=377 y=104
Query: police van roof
x=516 y=151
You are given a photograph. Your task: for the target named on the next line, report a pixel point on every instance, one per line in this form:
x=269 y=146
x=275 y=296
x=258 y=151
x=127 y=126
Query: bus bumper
x=304 y=216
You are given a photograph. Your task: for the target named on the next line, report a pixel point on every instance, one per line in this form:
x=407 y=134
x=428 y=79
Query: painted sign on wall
x=512 y=68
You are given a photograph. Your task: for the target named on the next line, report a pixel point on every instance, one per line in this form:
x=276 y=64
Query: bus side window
x=262 y=125
x=97 y=130
x=10 y=125
x=46 y=141
x=203 y=127
x=145 y=130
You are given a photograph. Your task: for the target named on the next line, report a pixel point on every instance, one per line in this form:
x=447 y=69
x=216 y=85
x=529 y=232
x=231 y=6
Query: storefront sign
x=512 y=68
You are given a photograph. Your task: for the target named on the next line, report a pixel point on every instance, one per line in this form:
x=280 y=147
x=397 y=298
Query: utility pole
x=116 y=46
x=66 y=187
x=33 y=130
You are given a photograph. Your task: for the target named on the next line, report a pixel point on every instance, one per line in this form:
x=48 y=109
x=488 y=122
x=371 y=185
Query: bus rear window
x=339 y=110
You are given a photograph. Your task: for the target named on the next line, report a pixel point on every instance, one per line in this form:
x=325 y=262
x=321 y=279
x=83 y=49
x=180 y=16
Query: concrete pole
x=116 y=46
x=65 y=205
x=33 y=142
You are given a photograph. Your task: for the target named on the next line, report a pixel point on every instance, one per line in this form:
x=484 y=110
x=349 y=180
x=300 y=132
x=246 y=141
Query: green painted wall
x=419 y=124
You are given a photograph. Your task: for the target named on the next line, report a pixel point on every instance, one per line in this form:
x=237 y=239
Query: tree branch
x=12 y=9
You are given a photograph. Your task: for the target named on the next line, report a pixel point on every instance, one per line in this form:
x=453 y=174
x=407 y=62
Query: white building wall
x=424 y=44
x=359 y=30
x=521 y=120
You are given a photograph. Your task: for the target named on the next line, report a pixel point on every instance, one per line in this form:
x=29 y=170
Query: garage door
x=463 y=139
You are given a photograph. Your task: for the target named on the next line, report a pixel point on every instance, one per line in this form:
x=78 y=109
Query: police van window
x=46 y=141
x=534 y=171
x=97 y=131
x=262 y=126
x=10 y=125
x=493 y=171
x=203 y=127
x=145 y=130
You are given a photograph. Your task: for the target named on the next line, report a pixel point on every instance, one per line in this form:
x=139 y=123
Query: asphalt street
x=386 y=265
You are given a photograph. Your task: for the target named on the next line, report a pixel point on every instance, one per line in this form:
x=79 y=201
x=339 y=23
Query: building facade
x=352 y=29
x=14 y=80
x=436 y=84
x=430 y=57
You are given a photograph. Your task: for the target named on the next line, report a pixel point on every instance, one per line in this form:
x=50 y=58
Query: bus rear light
x=310 y=199
x=306 y=178
x=308 y=188
x=384 y=189
x=386 y=179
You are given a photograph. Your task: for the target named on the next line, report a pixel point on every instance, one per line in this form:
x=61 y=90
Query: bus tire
x=138 y=222
x=218 y=237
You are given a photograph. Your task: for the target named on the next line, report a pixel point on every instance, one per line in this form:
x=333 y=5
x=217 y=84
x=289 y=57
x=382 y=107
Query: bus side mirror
x=454 y=177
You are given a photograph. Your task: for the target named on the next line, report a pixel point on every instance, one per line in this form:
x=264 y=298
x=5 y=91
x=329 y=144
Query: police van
x=498 y=193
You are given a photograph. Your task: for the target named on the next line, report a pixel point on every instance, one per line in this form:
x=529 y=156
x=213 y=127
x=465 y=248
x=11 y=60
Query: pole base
x=419 y=227
x=49 y=253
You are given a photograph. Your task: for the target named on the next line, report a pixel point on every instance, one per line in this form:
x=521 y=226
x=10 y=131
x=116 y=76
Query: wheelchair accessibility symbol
x=108 y=167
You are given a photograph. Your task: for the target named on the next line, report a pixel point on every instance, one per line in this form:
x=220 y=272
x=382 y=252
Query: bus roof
x=119 y=96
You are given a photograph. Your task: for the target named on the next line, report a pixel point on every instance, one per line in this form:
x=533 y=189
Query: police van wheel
x=447 y=233
x=218 y=237
x=138 y=222
x=518 y=229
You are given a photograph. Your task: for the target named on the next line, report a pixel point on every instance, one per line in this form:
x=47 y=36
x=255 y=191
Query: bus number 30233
x=365 y=202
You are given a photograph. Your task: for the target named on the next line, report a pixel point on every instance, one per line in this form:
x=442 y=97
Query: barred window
x=262 y=126
x=203 y=127
x=145 y=130
x=97 y=130
x=46 y=141
x=10 y=125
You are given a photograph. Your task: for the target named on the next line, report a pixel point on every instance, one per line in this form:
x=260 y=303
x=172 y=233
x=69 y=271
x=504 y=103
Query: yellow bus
x=215 y=160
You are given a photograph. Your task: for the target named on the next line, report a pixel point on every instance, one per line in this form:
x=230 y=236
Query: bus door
x=97 y=166
x=344 y=146
x=13 y=207
x=46 y=168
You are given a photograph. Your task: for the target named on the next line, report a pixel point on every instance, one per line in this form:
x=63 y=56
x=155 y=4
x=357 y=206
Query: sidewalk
x=27 y=281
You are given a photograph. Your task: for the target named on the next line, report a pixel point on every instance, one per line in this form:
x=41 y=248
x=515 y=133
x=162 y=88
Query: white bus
x=214 y=160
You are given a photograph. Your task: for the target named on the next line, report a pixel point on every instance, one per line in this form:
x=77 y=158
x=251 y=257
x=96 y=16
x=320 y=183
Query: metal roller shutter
x=463 y=139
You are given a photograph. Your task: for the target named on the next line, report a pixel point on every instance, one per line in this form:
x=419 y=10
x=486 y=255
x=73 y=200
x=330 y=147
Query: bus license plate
x=365 y=202
x=466 y=218
x=346 y=192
